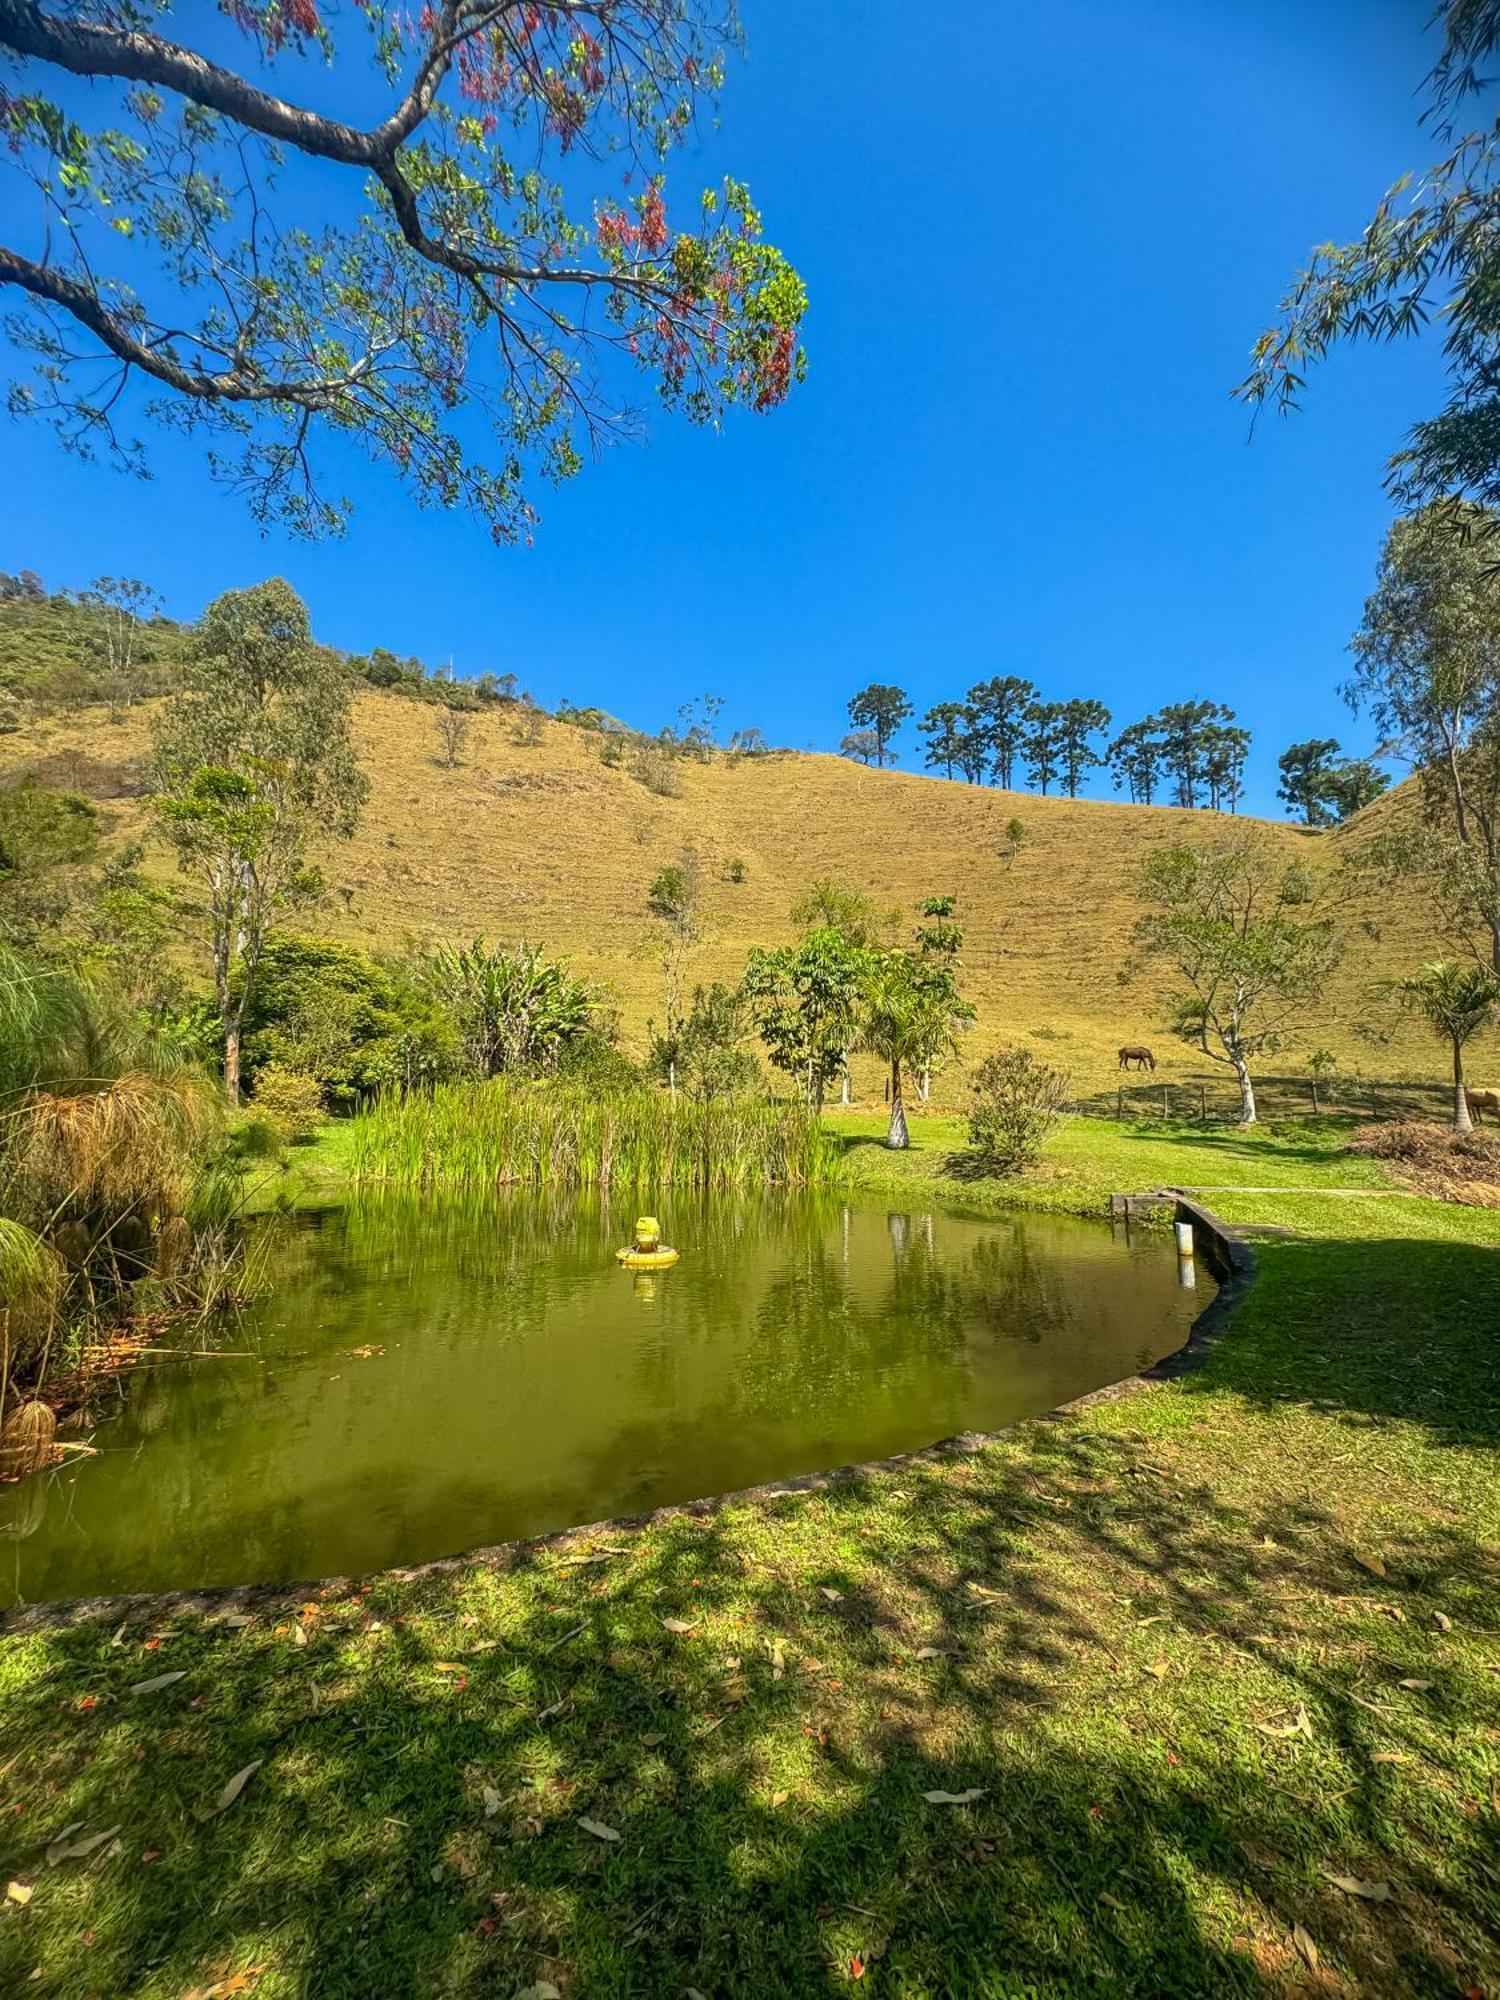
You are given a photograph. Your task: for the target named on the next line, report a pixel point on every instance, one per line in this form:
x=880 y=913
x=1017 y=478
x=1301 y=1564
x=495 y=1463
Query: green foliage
x=1456 y=998
x=1427 y=670
x=1324 y=788
x=881 y=709
x=1427 y=257
x=516 y=1010
x=707 y=1057
x=429 y=314
x=45 y=837
x=1017 y=1100
x=254 y=758
x=291 y=1099
x=911 y=1016
x=998 y=709
x=806 y=1000
x=483 y=1135
x=356 y=1024
x=1252 y=941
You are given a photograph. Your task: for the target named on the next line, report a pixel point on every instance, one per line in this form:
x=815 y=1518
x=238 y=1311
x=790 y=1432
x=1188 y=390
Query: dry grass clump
x=1435 y=1160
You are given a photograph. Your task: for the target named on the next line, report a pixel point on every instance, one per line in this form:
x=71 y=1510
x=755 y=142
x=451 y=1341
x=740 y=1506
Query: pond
x=424 y=1379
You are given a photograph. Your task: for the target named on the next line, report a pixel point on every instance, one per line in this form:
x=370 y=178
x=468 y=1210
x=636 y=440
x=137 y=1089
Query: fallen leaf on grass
x=933 y=1653
x=1300 y=1725
x=1158 y=1669
x=856 y=1967
x=1109 y=1901
x=237 y=1982
x=1390 y=1757
x=1370 y=1562
x=777 y=1650
x=492 y=1802
x=833 y=1596
x=19 y=1892
x=598 y=1829
x=678 y=1625
x=65 y=1848
x=982 y=1591
x=955 y=1798
x=650 y=1741
x=159 y=1681
x=1442 y=1621
x=231 y=1791
x=542 y=1990
x=1306 y=1947
x=779 y=1799
x=1417 y=1687
x=1355 y=1885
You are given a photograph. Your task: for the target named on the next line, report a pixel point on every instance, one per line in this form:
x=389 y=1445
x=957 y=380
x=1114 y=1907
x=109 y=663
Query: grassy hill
x=534 y=836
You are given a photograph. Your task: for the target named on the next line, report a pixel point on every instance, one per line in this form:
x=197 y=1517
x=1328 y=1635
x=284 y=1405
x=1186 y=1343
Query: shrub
x=1017 y=1098
x=654 y=768
x=736 y=870
x=292 y=1099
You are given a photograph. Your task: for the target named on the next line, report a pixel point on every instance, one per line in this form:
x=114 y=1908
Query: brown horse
x=1137 y=1058
x=1481 y=1101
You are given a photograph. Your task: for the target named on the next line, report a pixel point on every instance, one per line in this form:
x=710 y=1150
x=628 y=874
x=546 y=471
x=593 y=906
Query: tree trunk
x=924 y=1088
x=1462 y=1122
x=1247 y=1094
x=844 y=1086
x=232 y=1064
x=897 y=1137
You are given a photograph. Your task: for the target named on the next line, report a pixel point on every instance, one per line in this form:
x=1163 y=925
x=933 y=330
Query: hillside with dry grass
x=533 y=835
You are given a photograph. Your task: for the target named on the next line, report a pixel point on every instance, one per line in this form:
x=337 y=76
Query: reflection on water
x=426 y=1379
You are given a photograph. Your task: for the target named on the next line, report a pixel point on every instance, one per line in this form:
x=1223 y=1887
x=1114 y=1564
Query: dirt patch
x=1435 y=1160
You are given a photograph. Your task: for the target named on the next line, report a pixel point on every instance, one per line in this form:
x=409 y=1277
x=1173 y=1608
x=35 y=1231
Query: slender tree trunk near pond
x=1247 y=1091
x=232 y=1064
x=897 y=1137
x=1462 y=1122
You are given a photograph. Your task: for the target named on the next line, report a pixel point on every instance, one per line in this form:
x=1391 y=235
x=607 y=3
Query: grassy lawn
x=1206 y=1684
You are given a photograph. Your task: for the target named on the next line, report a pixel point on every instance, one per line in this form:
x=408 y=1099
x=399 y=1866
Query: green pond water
x=426 y=1379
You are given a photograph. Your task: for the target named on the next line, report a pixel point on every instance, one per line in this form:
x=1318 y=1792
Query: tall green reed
x=566 y=1136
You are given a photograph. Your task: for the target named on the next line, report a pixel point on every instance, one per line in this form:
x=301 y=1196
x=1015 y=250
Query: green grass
x=1197 y=1652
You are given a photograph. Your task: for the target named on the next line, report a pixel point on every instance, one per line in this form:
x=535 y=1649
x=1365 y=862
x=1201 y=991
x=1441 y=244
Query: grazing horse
x=1481 y=1101
x=1137 y=1058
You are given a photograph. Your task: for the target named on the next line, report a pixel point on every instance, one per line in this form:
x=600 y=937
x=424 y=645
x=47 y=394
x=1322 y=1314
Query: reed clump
x=559 y=1135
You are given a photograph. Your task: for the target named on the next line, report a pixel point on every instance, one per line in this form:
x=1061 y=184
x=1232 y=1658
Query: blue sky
x=1038 y=244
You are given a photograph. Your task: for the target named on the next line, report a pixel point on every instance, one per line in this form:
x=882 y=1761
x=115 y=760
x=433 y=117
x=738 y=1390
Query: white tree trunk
x=1247 y=1093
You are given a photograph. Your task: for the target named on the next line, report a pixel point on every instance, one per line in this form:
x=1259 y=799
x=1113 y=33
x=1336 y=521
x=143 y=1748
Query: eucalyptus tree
x=112 y=615
x=430 y=278
x=254 y=760
x=1428 y=258
x=1456 y=998
x=1427 y=670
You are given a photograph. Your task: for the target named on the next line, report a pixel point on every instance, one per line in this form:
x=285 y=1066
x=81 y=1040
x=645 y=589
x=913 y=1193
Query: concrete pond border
x=1222 y=1248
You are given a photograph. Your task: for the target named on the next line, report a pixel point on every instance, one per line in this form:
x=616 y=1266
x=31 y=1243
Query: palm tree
x=913 y=1015
x=1455 y=999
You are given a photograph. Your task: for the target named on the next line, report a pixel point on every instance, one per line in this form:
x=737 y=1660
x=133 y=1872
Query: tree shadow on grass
x=1182 y=1700
x=1170 y=1711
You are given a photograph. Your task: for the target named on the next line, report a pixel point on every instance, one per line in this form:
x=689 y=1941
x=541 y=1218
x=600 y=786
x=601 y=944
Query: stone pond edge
x=1219 y=1244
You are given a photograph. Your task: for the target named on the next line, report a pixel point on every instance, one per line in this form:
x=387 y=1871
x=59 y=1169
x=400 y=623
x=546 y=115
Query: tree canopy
x=430 y=283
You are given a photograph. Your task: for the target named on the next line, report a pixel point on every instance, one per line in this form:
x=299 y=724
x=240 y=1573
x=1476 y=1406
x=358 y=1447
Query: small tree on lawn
x=1252 y=941
x=806 y=999
x=913 y=1015
x=675 y=899
x=253 y=761
x=1456 y=998
x=1017 y=1100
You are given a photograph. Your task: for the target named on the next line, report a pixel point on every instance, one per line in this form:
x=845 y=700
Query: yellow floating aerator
x=648 y=1252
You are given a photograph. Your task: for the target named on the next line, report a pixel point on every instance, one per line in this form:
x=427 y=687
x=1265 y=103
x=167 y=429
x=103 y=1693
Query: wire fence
x=1275 y=1097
